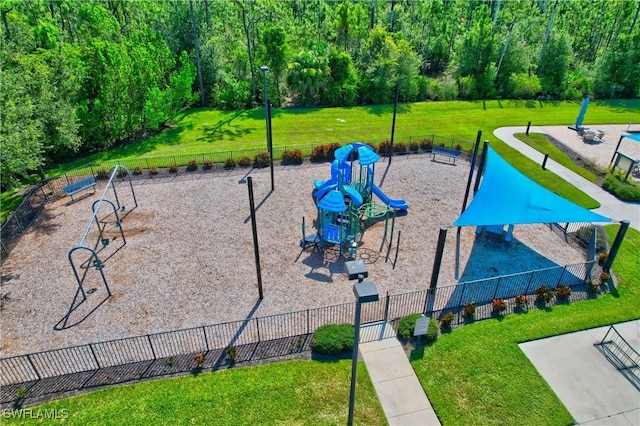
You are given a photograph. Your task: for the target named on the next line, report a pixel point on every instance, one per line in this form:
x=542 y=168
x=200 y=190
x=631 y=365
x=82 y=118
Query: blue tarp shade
x=507 y=197
x=634 y=136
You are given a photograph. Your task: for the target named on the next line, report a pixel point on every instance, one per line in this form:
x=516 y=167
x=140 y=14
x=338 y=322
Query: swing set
x=103 y=237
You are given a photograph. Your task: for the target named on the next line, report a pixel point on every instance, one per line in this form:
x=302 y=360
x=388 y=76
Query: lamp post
x=264 y=70
x=267 y=114
x=365 y=293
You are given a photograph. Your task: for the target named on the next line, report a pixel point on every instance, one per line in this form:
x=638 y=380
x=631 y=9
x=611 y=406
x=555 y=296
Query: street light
x=365 y=293
x=267 y=115
x=264 y=70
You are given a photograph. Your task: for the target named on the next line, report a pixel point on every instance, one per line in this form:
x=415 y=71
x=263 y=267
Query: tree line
x=79 y=76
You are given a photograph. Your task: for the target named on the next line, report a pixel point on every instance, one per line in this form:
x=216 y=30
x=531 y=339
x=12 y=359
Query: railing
x=18 y=223
x=621 y=354
x=133 y=358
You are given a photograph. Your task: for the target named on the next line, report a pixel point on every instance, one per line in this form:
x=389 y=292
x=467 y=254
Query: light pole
x=267 y=114
x=365 y=293
x=264 y=70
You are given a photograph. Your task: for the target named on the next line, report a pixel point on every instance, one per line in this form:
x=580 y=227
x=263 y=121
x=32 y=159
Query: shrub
x=333 y=338
x=137 y=170
x=173 y=168
x=153 y=170
x=244 y=162
x=407 y=324
x=199 y=359
x=207 y=165
x=262 y=159
x=447 y=319
x=317 y=154
x=122 y=173
x=602 y=257
x=426 y=144
x=522 y=300
x=593 y=288
x=229 y=163
x=414 y=147
x=102 y=174
x=432 y=331
x=499 y=305
x=458 y=147
x=384 y=148
x=372 y=146
x=192 y=166
x=623 y=190
x=400 y=148
x=292 y=157
x=604 y=278
x=469 y=310
x=330 y=150
x=544 y=294
x=232 y=353
x=563 y=292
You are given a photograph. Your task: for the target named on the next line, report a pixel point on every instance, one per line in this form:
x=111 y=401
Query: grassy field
x=546 y=178
x=478 y=375
x=9 y=201
x=538 y=142
x=294 y=392
x=206 y=130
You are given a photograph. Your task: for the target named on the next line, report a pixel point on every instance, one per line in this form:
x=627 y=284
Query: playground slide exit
x=393 y=203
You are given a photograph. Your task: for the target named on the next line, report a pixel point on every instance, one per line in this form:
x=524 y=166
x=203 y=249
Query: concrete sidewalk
x=402 y=398
x=592 y=389
x=610 y=206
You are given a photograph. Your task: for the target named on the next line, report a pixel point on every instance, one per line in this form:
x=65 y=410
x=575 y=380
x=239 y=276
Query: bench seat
x=80 y=186
x=445 y=152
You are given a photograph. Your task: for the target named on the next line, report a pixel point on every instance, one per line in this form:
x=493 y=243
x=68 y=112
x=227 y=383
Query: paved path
x=610 y=206
x=399 y=391
x=592 y=389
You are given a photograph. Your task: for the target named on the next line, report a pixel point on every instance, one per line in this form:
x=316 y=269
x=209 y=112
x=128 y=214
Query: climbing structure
x=346 y=198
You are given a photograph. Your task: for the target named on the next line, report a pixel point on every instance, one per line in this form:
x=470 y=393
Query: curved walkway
x=610 y=206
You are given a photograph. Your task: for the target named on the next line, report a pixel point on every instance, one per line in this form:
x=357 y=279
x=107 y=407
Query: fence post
x=561 y=275
x=461 y=294
x=495 y=293
x=206 y=341
x=258 y=329
x=386 y=308
x=529 y=283
x=153 y=352
x=33 y=367
x=95 y=358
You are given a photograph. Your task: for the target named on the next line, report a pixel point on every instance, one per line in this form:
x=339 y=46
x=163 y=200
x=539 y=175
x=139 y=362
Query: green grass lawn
x=9 y=201
x=546 y=178
x=478 y=375
x=540 y=143
x=207 y=130
x=293 y=392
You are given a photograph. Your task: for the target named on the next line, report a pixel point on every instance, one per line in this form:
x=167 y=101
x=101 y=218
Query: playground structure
x=344 y=200
x=102 y=238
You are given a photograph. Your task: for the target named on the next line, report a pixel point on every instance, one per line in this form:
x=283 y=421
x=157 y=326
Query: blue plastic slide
x=394 y=204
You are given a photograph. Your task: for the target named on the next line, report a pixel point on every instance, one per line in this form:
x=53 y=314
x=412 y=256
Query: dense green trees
x=80 y=75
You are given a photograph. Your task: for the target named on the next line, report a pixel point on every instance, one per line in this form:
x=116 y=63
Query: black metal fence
x=22 y=217
x=52 y=188
x=115 y=361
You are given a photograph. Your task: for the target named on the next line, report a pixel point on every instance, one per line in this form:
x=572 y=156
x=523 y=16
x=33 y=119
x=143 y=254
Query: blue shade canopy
x=507 y=197
x=333 y=201
x=633 y=136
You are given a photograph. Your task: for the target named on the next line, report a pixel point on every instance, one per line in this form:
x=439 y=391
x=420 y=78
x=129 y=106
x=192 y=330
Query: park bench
x=445 y=152
x=80 y=186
